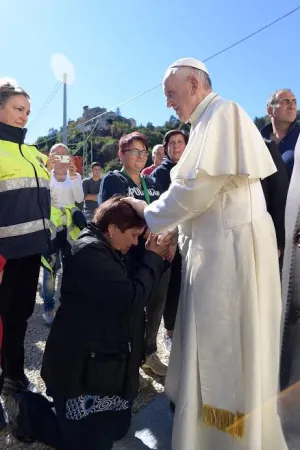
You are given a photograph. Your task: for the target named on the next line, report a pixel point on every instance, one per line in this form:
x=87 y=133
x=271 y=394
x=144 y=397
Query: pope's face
x=178 y=92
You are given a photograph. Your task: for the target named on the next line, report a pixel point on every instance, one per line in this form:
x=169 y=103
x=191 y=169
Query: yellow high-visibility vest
x=24 y=199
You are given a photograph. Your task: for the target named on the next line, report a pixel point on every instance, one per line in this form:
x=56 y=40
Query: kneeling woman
x=96 y=344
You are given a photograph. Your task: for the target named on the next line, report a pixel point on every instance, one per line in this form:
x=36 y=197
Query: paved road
x=151 y=428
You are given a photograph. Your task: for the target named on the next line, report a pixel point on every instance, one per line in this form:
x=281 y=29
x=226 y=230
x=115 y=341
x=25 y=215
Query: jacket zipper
x=38 y=186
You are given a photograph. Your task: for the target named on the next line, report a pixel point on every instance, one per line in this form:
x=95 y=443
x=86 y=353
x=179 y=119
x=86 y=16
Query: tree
x=118 y=129
x=150 y=126
x=105 y=141
x=172 y=123
x=44 y=143
x=260 y=122
x=109 y=150
x=114 y=164
x=185 y=127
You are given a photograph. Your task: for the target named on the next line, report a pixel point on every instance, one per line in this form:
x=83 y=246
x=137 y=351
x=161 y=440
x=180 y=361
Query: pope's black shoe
x=12 y=408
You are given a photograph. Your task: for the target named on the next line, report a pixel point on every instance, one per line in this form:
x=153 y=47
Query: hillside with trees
x=104 y=143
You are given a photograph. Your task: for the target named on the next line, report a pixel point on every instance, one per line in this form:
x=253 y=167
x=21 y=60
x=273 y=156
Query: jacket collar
x=12 y=134
x=91 y=231
x=167 y=162
x=267 y=130
x=201 y=107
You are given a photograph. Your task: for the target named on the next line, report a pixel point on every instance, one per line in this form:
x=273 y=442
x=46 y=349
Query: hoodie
x=161 y=175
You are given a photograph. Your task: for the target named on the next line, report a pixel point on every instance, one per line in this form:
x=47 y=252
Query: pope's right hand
x=157 y=246
x=138 y=205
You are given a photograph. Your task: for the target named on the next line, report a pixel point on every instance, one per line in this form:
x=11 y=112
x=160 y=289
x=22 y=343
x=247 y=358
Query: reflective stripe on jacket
x=61 y=218
x=24 y=196
x=57 y=224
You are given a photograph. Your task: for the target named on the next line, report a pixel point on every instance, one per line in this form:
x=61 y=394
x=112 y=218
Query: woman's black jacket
x=96 y=343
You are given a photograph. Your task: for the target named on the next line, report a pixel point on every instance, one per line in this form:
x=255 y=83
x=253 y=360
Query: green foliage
x=104 y=143
x=109 y=150
x=260 y=122
x=114 y=164
x=119 y=128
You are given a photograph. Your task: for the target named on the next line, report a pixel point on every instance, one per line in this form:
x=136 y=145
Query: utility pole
x=91 y=151
x=84 y=159
x=65 y=126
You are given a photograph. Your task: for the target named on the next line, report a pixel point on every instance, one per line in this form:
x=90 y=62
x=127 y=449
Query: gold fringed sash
x=232 y=423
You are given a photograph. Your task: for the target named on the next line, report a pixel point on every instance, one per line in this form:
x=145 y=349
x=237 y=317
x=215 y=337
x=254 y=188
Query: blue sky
x=120 y=49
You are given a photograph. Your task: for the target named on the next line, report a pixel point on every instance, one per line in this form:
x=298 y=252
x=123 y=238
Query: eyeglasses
x=176 y=142
x=136 y=152
x=287 y=101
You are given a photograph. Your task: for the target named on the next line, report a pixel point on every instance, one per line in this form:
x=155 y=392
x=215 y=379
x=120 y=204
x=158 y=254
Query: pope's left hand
x=138 y=205
x=72 y=169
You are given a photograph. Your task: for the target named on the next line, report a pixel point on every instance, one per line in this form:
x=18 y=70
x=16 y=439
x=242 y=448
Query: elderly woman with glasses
x=133 y=154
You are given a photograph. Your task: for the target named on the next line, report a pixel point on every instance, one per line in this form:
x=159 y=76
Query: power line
x=205 y=60
x=46 y=104
x=252 y=34
x=102 y=114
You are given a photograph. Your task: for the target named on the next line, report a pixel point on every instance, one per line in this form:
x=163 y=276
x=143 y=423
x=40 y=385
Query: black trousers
x=97 y=431
x=173 y=294
x=155 y=311
x=17 y=301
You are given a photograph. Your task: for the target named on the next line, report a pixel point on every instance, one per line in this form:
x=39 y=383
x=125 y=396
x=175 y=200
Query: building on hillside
x=103 y=122
x=133 y=123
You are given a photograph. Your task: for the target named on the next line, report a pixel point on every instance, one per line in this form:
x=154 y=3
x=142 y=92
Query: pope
x=224 y=364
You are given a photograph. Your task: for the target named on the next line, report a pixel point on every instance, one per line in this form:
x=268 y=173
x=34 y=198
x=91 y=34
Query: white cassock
x=224 y=364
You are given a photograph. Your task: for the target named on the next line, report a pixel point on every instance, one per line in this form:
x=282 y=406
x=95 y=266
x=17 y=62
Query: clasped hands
x=163 y=244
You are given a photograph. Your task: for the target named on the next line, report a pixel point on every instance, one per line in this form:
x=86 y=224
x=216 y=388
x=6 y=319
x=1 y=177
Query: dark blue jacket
x=286 y=145
x=116 y=182
x=161 y=175
x=275 y=188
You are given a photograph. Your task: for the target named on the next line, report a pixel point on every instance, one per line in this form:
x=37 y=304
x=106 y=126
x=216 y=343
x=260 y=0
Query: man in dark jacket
x=283 y=129
x=275 y=189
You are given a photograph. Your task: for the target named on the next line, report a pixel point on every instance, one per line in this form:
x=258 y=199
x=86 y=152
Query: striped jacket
x=24 y=196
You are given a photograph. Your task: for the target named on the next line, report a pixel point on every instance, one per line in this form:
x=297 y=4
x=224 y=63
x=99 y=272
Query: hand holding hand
x=161 y=248
x=171 y=253
x=167 y=238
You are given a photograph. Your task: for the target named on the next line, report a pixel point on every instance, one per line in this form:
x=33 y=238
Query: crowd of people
x=205 y=239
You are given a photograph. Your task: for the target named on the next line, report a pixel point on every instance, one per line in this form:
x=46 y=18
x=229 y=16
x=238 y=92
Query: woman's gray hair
x=9 y=88
x=55 y=146
x=155 y=148
x=187 y=71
